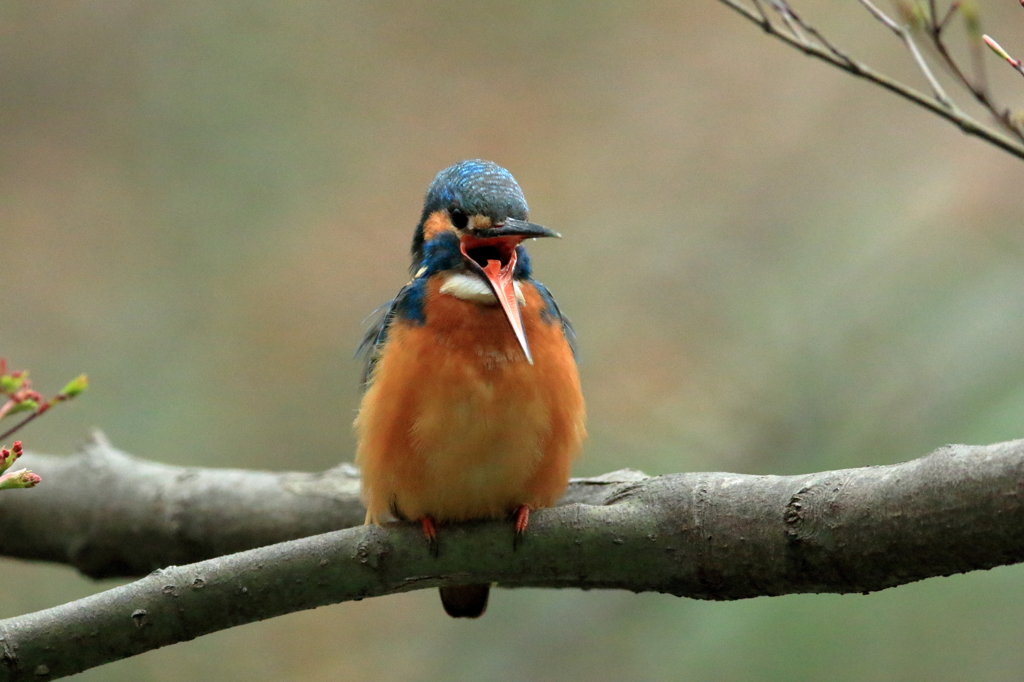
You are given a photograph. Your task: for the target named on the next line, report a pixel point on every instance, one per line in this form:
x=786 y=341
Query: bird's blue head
x=471 y=195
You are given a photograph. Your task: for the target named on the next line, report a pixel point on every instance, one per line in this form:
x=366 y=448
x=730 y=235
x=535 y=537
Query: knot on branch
x=794 y=515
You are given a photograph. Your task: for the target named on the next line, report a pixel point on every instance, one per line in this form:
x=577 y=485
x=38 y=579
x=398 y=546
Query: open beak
x=491 y=252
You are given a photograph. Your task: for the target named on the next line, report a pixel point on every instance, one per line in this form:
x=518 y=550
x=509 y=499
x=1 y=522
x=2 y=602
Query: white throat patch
x=471 y=288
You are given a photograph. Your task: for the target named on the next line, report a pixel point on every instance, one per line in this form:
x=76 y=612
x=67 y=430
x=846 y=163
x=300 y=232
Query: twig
x=979 y=86
x=783 y=6
x=790 y=19
x=903 y=34
x=950 y=13
x=760 y=9
x=20 y=425
x=956 y=116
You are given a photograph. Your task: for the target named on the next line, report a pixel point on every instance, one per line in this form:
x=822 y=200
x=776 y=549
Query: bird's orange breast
x=456 y=424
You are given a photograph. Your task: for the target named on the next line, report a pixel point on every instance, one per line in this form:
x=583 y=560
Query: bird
x=472 y=407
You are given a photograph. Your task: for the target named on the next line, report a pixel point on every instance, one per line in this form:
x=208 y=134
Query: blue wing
x=408 y=304
x=553 y=312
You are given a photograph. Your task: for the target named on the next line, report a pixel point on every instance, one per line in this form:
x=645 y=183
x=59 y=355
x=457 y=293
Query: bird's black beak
x=515 y=228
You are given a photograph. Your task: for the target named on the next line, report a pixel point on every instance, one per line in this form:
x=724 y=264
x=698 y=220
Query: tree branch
x=701 y=535
x=109 y=514
x=940 y=104
x=903 y=34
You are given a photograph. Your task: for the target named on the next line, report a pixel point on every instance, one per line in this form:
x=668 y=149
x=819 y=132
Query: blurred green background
x=772 y=267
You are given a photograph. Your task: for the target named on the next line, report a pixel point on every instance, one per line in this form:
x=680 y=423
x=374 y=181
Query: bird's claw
x=430 y=533
x=521 y=519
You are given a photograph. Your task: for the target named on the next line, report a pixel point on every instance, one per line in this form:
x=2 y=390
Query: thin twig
x=979 y=86
x=950 y=13
x=813 y=32
x=954 y=115
x=978 y=58
x=764 y=15
x=903 y=34
x=17 y=427
x=940 y=93
x=792 y=23
x=883 y=17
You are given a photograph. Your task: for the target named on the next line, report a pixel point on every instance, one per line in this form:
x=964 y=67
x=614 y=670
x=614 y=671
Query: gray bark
x=703 y=535
x=112 y=515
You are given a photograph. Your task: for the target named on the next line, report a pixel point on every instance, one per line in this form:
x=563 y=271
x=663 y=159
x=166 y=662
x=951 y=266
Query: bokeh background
x=772 y=267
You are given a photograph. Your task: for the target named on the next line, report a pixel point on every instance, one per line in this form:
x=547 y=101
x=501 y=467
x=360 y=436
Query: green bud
x=921 y=14
x=75 y=386
x=971 y=18
x=27 y=405
x=10 y=384
x=913 y=13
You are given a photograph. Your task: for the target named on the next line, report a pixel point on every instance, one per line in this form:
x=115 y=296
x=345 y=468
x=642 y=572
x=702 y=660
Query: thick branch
x=707 y=536
x=109 y=514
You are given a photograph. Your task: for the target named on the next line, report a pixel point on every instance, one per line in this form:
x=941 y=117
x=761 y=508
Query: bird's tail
x=465 y=601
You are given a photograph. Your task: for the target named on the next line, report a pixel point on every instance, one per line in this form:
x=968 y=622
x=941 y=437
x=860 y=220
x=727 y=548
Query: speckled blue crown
x=478 y=188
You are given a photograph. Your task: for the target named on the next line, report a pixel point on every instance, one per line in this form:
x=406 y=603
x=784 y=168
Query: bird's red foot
x=430 y=533
x=521 y=519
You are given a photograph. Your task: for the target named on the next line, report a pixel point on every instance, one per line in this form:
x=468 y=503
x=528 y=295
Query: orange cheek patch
x=437 y=223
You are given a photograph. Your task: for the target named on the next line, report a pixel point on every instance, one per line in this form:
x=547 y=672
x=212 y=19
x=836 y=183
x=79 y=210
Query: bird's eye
x=459 y=219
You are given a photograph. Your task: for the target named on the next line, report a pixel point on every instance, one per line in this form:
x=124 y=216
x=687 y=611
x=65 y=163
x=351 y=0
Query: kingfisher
x=472 y=406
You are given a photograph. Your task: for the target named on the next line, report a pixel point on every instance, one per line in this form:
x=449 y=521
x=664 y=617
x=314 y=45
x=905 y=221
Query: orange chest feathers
x=456 y=424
